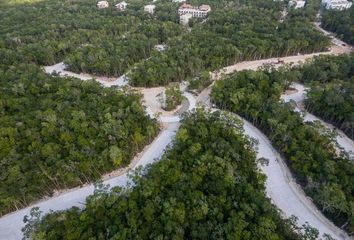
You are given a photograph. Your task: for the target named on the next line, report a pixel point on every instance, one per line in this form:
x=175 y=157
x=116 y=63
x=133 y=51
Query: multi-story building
x=102 y=4
x=199 y=12
x=121 y=6
x=336 y=4
x=150 y=8
x=297 y=3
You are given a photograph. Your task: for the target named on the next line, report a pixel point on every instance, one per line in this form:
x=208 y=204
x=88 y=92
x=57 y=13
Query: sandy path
x=11 y=224
x=280 y=187
x=342 y=139
x=283 y=190
x=105 y=81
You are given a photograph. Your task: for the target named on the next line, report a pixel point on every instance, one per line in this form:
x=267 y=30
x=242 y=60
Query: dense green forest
x=331 y=94
x=340 y=22
x=325 y=174
x=309 y=11
x=229 y=35
x=88 y=39
x=110 y=42
x=207 y=186
x=59 y=133
x=171 y=98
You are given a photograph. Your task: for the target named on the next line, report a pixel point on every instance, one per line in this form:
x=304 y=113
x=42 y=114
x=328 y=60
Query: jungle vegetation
x=207 y=186
x=325 y=174
x=172 y=97
x=331 y=93
x=59 y=133
x=229 y=35
x=111 y=43
x=340 y=22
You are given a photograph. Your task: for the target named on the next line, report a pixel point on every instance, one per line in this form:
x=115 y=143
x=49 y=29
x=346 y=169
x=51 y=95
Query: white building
x=178 y=1
x=150 y=8
x=121 y=6
x=200 y=12
x=160 y=47
x=297 y=3
x=336 y=4
x=102 y=4
x=184 y=19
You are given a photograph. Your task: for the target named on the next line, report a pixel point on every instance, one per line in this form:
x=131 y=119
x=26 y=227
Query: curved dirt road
x=284 y=192
x=105 y=81
x=280 y=187
x=342 y=139
x=11 y=224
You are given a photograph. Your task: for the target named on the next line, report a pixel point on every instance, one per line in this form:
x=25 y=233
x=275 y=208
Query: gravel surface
x=342 y=139
x=281 y=188
x=11 y=224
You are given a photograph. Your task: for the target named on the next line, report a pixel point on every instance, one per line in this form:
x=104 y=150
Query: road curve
x=284 y=192
x=105 y=81
x=11 y=224
x=343 y=141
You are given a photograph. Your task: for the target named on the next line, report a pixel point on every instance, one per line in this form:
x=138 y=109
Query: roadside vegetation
x=309 y=11
x=110 y=43
x=325 y=174
x=171 y=97
x=59 y=133
x=98 y=41
x=233 y=33
x=200 y=82
x=331 y=94
x=207 y=186
x=340 y=22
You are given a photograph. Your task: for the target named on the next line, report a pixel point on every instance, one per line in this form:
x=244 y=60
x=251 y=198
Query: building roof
x=185 y=6
x=121 y=4
x=204 y=7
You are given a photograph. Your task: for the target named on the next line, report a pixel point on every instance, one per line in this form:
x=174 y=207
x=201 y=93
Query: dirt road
x=343 y=140
x=280 y=187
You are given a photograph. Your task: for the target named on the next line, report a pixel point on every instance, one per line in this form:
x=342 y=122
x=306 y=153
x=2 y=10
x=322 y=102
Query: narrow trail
x=281 y=188
x=11 y=224
x=105 y=81
x=343 y=141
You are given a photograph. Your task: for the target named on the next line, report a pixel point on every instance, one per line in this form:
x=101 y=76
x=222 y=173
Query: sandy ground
x=11 y=224
x=281 y=188
x=151 y=101
x=107 y=82
x=153 y=107
x=342 y=139
x=338 y=47
x=284 y=192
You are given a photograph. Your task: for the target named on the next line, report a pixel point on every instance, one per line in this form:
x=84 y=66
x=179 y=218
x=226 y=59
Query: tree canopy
x=325 y=174
x=231 y=33
x=331 y=93
x=59 y=133
x=207 y=186
x=340 y=22
x=111 y=43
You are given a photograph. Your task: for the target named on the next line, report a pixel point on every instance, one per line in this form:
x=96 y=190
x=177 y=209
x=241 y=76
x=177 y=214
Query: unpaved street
x=280 y=187
x=343 y=140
